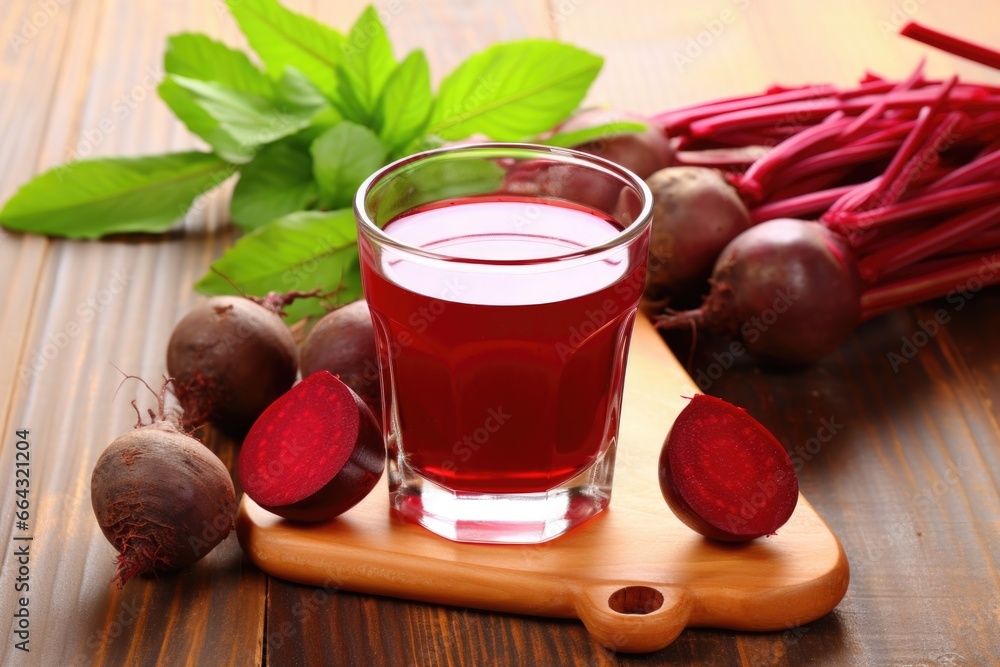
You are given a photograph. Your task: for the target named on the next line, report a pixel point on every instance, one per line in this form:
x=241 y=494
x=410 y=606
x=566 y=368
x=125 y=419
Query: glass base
x=502 y=518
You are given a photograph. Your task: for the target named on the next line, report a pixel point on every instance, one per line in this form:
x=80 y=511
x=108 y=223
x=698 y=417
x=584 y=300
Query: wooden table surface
x=905 y=466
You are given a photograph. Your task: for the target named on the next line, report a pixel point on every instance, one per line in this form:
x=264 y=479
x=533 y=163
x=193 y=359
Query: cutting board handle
x=634 y=617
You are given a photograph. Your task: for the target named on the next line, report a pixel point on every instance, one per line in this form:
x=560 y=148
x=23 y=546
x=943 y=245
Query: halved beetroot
x=314 y=453
x=724 y=474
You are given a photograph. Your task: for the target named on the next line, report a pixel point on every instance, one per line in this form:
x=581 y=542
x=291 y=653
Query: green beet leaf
x=577 y=137
x=282 y=37
x=295 y=94
x=405 y=104
x=199 y=121
x=343 y=157
x=197 y=56
x=514 y=90
x=304 y=251
x=277 y=182
x=93 y=198
x=366 y=65
x=236 y=124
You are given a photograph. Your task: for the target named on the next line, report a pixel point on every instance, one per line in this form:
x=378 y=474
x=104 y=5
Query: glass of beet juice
x=503 y=281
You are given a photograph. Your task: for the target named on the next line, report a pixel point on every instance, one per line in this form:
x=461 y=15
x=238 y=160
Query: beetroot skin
x=343 y=343
x=162 y=499
x=642 y=153
x=230 y=358
x=695 y=214
x=724 y=475
x=313 y=454
x=789 y=290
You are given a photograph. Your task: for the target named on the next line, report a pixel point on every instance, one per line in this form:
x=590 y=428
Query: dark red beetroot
x=231 y=357
x=343 y=343
x=642 y=153
x=314 y=453
x=788 y=289
x=162 y=499
x=724 y=474
x=696 y=213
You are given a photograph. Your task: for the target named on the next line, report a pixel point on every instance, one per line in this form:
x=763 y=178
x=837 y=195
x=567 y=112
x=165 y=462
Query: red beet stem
x=877 y=109
x=891 y=187
x=926 y=244
x=980 y=243
x=797 y=207
x=931 y=285
x=914 y=157
x=846 y=156
x=985 y=167
x=968 y=98
x=953 y=45
x=722 y=158
x=923 y=205
x=808 y=185
x=807 y=142
x=679 y=119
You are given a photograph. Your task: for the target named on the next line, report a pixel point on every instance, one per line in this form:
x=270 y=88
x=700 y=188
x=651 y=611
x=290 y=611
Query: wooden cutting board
x=634 y=574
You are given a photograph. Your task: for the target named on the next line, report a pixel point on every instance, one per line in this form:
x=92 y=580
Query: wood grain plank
x=926 y=562
x=116 y=302
x=30 y=70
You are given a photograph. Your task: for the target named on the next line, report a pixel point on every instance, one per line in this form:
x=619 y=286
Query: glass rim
x=566 y=155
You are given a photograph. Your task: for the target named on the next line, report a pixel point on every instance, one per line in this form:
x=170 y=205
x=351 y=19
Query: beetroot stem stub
x=724 y=474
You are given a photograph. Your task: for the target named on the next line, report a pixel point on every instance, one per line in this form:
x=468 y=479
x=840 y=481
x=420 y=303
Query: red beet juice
x=505 y=375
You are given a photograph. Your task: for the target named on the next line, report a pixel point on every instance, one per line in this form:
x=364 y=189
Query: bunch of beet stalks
x=822 y=207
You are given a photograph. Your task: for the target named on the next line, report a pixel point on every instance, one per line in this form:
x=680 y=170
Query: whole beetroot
x=695 y=214
x=161 y=498
x=230 y=358
x=642 y=153
x=789 y=290
x=343 y=343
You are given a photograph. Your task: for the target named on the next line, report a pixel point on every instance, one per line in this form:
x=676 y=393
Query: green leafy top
x=513 y=91
x=303 y=131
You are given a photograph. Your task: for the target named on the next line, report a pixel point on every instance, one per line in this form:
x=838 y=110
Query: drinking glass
x=503 y=282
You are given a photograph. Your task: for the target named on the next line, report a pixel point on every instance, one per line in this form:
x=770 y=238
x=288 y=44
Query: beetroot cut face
x=724 y=475
x=314 y=453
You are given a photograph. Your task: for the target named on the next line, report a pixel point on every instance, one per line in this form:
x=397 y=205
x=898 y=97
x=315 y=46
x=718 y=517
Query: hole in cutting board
x=636 y=600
